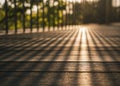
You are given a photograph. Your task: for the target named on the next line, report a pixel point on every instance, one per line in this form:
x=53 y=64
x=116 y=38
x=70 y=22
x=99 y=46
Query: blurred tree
x=24 y=9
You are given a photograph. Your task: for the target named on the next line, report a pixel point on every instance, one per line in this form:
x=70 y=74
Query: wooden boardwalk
x=87 y=55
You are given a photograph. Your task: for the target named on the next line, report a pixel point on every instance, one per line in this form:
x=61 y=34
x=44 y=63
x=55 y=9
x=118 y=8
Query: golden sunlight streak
x=83 y=32
x=84 y=51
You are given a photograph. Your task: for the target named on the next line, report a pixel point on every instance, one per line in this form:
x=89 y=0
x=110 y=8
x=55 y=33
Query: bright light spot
x=116 y=3
x=28 y=12
x=84 y=45
x=55 y=3
x=82 y=0
x=75 y=0
x=34 y=9
x=83 y=31
x=2 y=1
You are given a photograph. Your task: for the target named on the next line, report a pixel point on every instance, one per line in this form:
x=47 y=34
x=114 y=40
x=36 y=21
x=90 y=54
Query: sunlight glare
x=82 y=0
x=116 y=3
x=2 y=1
x=84 y=51
x=83 y=31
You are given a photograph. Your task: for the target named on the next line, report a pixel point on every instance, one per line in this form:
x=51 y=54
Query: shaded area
x=83 y=43
x=84 y=55
x=48 y=79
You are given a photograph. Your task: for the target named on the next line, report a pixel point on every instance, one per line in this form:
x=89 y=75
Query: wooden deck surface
x=87 y=55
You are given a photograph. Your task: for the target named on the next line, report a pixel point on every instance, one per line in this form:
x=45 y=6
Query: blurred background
x=39 y=14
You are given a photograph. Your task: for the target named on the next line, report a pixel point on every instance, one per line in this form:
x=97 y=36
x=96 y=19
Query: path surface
x=87 y=55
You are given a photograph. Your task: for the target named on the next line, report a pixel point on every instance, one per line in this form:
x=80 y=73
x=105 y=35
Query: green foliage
x=52 y=14
x=2 y=14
